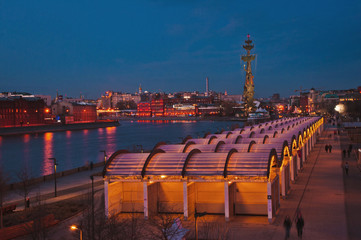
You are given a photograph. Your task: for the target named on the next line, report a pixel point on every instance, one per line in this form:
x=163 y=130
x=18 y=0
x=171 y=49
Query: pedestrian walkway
x=318 y=192
x=67 y=187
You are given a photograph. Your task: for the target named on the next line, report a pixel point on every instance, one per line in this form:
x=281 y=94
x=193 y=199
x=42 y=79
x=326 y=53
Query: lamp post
x=55 y=163
x=196 y=215
x=105 y=156
x=93 y=224
x=74 y=227
x=141 y=148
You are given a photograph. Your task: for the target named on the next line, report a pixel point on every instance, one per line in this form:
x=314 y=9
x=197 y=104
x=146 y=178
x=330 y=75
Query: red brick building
x=21 y=111
x=144 y=110
x=84 y=112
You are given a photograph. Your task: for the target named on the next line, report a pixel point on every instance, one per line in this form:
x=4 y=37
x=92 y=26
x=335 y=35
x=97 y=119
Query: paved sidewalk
x=319 y=193
x=67 y=187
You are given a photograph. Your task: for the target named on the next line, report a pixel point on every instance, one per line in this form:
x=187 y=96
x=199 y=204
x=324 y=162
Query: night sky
x=89 y=47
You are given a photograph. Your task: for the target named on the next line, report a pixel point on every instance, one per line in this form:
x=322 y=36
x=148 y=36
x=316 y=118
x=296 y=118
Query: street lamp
x=141 y=148
x=196 y=215
x=93 y=224
x=75 y=227
x=55 y=163
x=105 y=156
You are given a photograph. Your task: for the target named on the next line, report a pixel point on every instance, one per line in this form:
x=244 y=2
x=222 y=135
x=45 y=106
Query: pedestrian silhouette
x=287 y=225
x=344 y=153
x=326 y=148
x=27 y=202
x=300 y=223
x=346 y=168
x=330 y=148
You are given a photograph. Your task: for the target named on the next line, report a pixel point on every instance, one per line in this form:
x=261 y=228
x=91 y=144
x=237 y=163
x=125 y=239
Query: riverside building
x=244 y=171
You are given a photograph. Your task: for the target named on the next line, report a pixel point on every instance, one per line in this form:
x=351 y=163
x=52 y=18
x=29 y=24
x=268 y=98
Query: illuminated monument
x=248 y=91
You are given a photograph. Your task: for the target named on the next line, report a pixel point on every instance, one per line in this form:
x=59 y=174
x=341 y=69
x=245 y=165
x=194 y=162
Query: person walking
x=300 y=223
x=326 y=148
x=330 y=148
x=346 y=168
x=344 y=153
x=287 y=225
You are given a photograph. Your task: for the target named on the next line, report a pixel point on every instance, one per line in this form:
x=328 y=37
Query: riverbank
x=56 y=127
x=190 y=118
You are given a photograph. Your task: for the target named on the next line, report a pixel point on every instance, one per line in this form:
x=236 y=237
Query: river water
x=76 y=148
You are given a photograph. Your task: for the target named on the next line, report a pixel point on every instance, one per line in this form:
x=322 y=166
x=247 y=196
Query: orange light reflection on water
x=166 y=121
x=110 y=135
x=48 y=153
x=68 y=134
x=26 y=138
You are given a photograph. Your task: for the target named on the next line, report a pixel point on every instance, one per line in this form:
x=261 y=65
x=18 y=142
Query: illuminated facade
x=248 y=91
x=21 y=111
x=237 y=172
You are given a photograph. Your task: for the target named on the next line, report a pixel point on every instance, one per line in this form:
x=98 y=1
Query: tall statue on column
x=248 y=91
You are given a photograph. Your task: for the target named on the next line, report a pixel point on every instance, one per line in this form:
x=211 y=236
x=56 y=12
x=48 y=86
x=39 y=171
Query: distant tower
x=248 y=91
x=207 y=86
x=140 y=89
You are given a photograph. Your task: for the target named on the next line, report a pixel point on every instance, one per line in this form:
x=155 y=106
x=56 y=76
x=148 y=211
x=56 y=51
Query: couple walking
x=299 y=225
x=328 y=148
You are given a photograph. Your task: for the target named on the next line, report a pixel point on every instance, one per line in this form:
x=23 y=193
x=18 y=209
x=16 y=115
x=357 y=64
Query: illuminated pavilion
x=244 y=171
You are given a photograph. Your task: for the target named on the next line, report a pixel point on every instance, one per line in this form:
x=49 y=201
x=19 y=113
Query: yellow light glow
x=340 y=108
x=73 y=227
x=163 y=176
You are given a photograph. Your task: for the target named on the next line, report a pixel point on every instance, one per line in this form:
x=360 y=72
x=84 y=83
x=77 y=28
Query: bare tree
x=213 y=230
x=37 y=228
x=3 y=188
x=167 y=226
x=25 y=189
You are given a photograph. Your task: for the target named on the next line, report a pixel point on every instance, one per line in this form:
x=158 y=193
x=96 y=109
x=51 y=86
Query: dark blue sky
x=94 y=46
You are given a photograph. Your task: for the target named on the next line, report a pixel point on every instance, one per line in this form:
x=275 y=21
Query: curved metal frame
x=230 y=153
x=251 y=134
x=187 y=160
x=266 y=137
x=158 y=145
x=228 y=134
x=273 y=153
x=152 y=154
x=270 y=128
x=211 y=138
x=282 y=130
x=186 y=139
x=275 y=134
x=251 y=143
x=206 y=134
x=220 y=143
x=110 y=159
x=237 y=138
x=187 y=146
x=262 y=131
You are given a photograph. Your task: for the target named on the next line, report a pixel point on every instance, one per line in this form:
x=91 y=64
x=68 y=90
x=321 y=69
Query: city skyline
x=90 y=48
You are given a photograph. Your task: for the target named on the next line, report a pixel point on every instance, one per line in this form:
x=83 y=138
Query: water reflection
x=74 y=148
x=26 y=140
x=48 y=153
x=68 y=134
x=110 y=140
